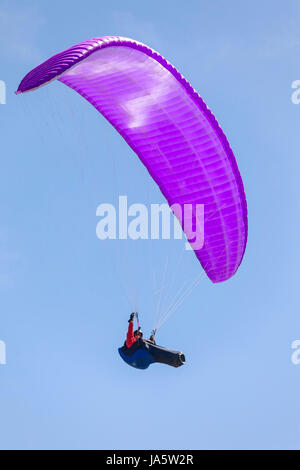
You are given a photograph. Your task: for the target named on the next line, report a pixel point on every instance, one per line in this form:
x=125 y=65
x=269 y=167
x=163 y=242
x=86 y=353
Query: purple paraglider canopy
x=170 y=128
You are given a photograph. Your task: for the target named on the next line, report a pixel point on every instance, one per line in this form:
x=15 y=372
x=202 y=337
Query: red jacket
x=130 y=339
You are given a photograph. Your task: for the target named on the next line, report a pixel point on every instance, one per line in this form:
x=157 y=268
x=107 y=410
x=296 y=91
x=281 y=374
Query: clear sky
x=63 y=292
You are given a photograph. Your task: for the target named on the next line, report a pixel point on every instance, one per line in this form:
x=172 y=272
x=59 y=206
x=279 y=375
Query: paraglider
x=141 y=353
x=170 y=128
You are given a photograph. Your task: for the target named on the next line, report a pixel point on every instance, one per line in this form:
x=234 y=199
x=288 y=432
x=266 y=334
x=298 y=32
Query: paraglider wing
x=172 y=131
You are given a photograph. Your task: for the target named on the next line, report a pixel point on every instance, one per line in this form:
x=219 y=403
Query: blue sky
x=63 y=307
